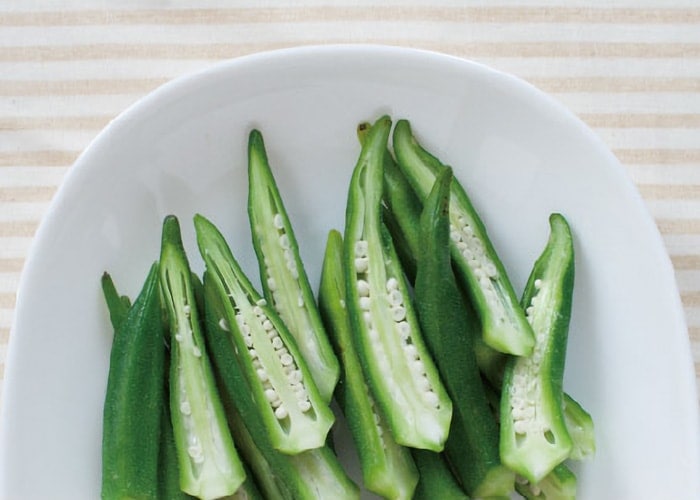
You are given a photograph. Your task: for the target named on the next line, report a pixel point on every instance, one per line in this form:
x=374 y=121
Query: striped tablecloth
x=630 y=69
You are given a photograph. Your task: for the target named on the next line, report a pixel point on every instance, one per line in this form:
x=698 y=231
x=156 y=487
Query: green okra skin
x=387 y=468
x=436 y=479
x=117 y=305
x=169 y=474
x=581 y=428
x=308 y=475
x=478 y=266
x=209 y=464
x=449 y=331
x=276 y=375
x=534 y=436
x=134 y=397
x=398 y=368
x=284 y=280
x=560 y=484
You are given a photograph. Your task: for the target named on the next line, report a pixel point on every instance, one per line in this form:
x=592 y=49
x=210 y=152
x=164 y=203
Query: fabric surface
x=629 y=69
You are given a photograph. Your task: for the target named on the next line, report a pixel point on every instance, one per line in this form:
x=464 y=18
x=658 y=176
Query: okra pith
x=209 y=464
x=449 y=330
x=479 y=268
x=284 y=280
x=135 y=394
x=395 y=361
x=387 y=468
x=276 y=374
x=534 y=437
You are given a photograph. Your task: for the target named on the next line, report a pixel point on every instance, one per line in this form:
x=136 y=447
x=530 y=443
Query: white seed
x=179 y=337
x=194 y=451
x=373 y=335
x=365 y=303
x=431 y=398
x=253 y=353
x=262 y=374
x=304 y=406
x=270 y=395
x=362 y=288
x=538 y=283
x=286 y=359
x=398 y=313
x=272 y=284
x=267 y=325
x=462 y=246
x=185 y=408
x=367 y=318
x=248 y=339
x=418 y=366
x=261 y=302
x=223 y=324
x=520 y=427
x=392 y=284
x=395 y=298
x=277 y=343
x=258 y=311
x=186 y=309
x=300 y=300
x=361 y=265
x=284 y=241
x=404 y=329
x=411 y=351
x=295 y=377
x=455 y=236
x=361 y=248
x=281 y=412
x=276 y=403
x=278 y=222
x=196 y=352
x=423 y=383
x=239 y=319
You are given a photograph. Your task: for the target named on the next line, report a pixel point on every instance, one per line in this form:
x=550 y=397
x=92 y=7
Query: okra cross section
x=396 y=363
x=534 y=437
x=284 y=280
x=209 y=464
x=503 y=322
x=295 y=414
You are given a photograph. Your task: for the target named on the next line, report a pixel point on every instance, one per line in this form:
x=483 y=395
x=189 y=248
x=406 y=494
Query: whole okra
x=135 y=394
x=387 y=468
x=479 y=268
x=449 y=330
x=284 y=280
x=276 y=375
x=398 y=367
x=209 y=464
x=534 y=436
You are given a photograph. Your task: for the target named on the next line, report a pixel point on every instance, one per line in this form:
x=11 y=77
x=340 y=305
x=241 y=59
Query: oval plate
x=519 y=154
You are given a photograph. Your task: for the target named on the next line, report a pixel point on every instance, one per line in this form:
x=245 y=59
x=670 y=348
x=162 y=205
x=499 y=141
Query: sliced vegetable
x=276 y=375
x=560 y=484
x=308 y=475
x=479 y=268
x=387 y=468
x=449 y=331
x=580 y=425
x=398 y=368
x=534 y=437
x=135 y=397
x=209 y=464
x=285 y=283
x=436 y=480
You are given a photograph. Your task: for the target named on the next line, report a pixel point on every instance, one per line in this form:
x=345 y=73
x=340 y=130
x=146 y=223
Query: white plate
x=521 y=156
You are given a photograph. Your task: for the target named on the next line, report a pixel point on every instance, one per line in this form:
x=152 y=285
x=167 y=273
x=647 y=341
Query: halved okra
x=284 y=280
x=387 y=468
x=397 y=366
x=436 y=479
x=480 y=270
x=534 y=436
x=308 y=475
x=560 y=484
x=276 y=375
x=449 y=330
x=209 y=464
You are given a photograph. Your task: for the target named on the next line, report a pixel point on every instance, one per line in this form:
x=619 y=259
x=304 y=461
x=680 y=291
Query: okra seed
x=418 y=366
x=361 y=265
x=276 y=403
x=304 y=406
x=284 y=241
x=367 y=318
x=248 y=339
x=194 y=451
x=398 y=313
x=270 y=395
x=262 y=375
x=411 y=351
x=300 y=300
x=395 y=297
x=361 y=248
x=186 y=309
x=282 y=351
x=277 y=343
x=271 y=284
x=431 y=398
x=295 y=376
x=373 y=335
x=423 y=383
x=253 y=353
x=392 y=284
x=196 y=352
x=286 y=359
x=462 y=246
x=185 y=408
x=261 y=302
x=278 y=222
x=267 y=325
x=363 y=288
x=404 y=329
x=538 y=283
x=239 y=319
x=520 y=427
x=281 y=412
x=223 y=324
x=179 y=337
x=365 y=303
x=455 y=236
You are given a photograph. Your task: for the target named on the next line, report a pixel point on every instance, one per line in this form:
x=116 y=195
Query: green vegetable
x=387 y=468
x=579 y=423
x=308 y=475
x=479 y=268
x=209 y=464
x=285 y=283
x=134 y=397
x=560 y=484
x=398 y=368
x=436 y=480
x=276 y=375
x=449 y=329
x=534 y=437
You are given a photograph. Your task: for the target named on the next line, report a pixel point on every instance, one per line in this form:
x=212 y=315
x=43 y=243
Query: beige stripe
x=691 y=299
x=686 y=262
x=641 y=120
x=322 y=14
x=79 y=87
x=467 y=49
x=669 y=191
x=15 y=229
x=619 y=84
x=4 y=339
x=44 y=158
x=7 y=300
x=678 y=226
x=658 y=156
x=54 y=122
x=27 y=193
x=11 y=265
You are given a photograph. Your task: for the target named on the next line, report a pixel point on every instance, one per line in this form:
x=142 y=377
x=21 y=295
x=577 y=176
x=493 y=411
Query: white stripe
x=645 y=138
x=120 y=68
x=6 y=318
x=67 y=105
x=664 y=174
x=32 y=140
x=12 y=247
x=679 y=244
x=674 y=209
x=19 y=211
x=688 y=281
x=32 y=176
x=647 y=102
x=9 y=282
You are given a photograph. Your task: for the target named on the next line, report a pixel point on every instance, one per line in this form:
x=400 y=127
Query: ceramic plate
x=519 y=154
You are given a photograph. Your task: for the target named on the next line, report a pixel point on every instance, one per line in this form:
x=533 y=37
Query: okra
x=397 y=366
x=134 y=397
x=276 y=375
x=209 y=464
x=387 y=468
x=449 y=330
x=284 y=280
x=312 y=474
x=560 y=484
x=480 y=270
x=534 y=436
x=436 y=479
